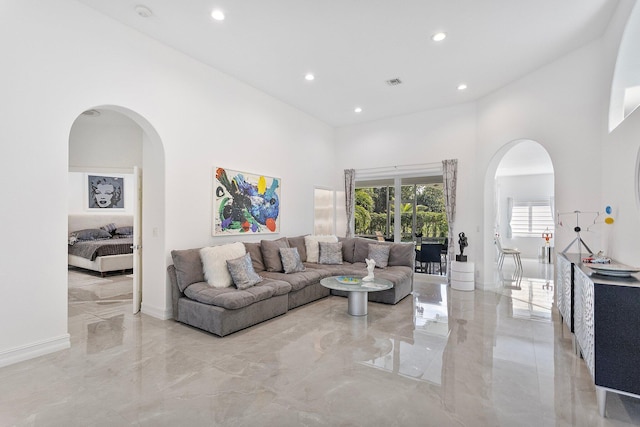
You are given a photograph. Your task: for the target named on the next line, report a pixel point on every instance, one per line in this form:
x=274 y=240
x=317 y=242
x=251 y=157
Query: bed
x=101 y=243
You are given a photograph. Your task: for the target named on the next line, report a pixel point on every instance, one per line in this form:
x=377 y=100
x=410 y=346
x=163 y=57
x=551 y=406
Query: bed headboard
x=81 y=222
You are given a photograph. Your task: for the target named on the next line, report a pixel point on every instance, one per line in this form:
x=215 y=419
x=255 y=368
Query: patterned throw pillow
x=291 y=260
x=313 y=249
x=109 y=228
x=242 y=272
x=330 y=253
x=380 y=254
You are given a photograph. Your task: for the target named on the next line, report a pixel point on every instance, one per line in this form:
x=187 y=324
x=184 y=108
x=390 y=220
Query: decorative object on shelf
x=463 y=242
x=615 y=270
x=245 y=203
x=547 y=235
x=600 y=258
x=371 y=264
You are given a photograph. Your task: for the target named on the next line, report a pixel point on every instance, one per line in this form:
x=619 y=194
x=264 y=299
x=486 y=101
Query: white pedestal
x=462 y=276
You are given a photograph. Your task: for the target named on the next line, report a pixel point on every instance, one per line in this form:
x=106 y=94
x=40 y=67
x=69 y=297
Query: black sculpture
x=462 y=241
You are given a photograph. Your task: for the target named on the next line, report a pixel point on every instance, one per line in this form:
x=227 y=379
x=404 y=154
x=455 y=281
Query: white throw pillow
x=313 y=250
x=214 y=263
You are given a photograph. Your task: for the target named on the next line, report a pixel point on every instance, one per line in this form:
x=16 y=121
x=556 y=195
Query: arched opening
x=110 y=143
x=519 y=203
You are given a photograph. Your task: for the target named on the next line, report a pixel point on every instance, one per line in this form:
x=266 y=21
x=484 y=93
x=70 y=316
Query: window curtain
x=509 y=233
x=350 y=198
x=450 y=181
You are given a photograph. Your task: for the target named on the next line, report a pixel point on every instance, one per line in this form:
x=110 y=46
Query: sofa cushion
x=214 y=263
x=298 y=242
x=271 y=253
x=229 y=298
x=361 y=249
x=280 y=287
x=256 y=256
x=402 y=254
x=188 y=267
x=380 y=254
x=298 y=280
x=330 y=253
x=313 y=249
x=348 y=248
x=291 y=262
x=242 y=272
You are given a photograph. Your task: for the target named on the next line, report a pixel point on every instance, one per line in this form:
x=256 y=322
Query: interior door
x=137 y=240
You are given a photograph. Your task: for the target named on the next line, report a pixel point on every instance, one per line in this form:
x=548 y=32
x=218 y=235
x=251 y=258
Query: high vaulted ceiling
x=354 y=46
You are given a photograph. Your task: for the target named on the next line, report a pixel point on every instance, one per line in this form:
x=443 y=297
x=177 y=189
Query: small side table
x=462 y=276
x=546 y=252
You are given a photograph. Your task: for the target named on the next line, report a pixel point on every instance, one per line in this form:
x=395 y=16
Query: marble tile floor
x=438 y=358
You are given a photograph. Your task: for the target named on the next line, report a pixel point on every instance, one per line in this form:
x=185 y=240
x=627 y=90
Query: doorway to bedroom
x=105 y=148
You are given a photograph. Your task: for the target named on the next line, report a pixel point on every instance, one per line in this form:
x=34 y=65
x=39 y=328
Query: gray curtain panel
x=509 y=217
x=450 y=179
x=350 y=198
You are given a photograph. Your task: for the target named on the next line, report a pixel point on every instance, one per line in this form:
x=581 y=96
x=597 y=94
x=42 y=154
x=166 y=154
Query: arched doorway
x=519 y=182
x=147 y=158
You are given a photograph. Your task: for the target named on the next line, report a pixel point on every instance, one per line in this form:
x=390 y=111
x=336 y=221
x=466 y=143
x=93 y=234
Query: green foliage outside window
x=371 y=212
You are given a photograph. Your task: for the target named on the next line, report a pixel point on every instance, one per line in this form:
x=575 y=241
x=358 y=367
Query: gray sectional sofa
x=222 y=311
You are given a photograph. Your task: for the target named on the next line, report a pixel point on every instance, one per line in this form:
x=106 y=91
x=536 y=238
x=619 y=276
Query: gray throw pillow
x=380 y=254
x=242 y=272
x=91 y=234
x=124 y=231
x=109 y=228
x=271 y=253
x=291 y=261
x=330 y=253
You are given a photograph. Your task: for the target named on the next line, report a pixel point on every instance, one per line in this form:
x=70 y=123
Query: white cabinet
x=462 y=276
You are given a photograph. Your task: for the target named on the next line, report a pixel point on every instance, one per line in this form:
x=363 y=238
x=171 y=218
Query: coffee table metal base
x=357 y=303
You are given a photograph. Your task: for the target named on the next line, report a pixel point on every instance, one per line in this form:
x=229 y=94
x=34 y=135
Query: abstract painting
x=105 y=192
x=245 y=203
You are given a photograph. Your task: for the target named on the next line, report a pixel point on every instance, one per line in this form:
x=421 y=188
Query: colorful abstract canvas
x=245 y=203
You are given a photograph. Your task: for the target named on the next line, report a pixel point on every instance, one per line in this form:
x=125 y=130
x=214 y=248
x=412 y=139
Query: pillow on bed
x=124 y=231
x=90 y=234
x=109 y=228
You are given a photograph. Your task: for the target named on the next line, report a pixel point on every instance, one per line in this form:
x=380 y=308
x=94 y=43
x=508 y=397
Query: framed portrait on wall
x=104 y=191
x=245 y=203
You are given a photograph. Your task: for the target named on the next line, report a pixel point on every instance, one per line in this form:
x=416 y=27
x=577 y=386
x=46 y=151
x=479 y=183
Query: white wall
x=110 y=142
x=64 y=58
x=426 y=137
x=559 y=106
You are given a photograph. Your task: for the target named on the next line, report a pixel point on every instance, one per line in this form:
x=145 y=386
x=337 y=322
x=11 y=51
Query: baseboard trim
x=158 y=313
x=31 y=351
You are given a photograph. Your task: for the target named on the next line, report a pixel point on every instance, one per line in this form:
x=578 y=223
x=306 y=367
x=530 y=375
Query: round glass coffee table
x=357 y=289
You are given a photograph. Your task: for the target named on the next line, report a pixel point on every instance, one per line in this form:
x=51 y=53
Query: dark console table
x=604 y=314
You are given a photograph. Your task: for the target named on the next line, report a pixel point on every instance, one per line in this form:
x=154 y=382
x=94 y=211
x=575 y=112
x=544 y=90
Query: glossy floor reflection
x=438 y=358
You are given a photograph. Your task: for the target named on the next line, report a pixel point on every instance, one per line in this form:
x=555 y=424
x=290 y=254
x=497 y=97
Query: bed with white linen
x=106 y=254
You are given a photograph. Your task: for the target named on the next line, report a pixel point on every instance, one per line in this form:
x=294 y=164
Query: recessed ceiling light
x=218 y=15
x=438 y=37
x=91 y=113
x=462 y=86
x=357 y=110
x=309 y=77
x=143 y=11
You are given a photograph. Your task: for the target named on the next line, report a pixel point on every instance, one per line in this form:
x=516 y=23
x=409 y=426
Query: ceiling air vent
x=394 y=82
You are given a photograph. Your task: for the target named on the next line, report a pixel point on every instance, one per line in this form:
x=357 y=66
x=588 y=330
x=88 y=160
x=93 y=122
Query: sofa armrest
x=175 y=290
